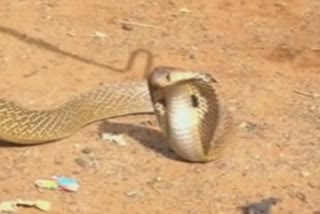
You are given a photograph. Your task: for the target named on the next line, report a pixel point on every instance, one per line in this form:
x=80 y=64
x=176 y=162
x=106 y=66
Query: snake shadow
x=148 y=137
x=40 y=43
x=6 y=144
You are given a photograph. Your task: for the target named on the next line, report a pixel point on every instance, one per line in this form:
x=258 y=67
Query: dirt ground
x=264 y=54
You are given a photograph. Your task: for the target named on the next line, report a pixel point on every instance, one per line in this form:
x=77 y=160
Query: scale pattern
x=21 y=125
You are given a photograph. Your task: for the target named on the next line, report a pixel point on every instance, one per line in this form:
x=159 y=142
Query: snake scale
x=184 y=102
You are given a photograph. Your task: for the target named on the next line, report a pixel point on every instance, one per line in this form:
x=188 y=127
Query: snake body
x=24 y=126
x=184 y=102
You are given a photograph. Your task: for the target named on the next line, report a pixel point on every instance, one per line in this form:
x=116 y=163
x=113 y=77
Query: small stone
x=249 y=126
x=184 y=10
x=158 y=179
x=127 y=27
x=305 y=173
x=85 y=161
x=133 y=194
x=86 y=150
x=286 y=135
x=71 y=34
x=99 y=35
x=263 y=207
x=115 y=138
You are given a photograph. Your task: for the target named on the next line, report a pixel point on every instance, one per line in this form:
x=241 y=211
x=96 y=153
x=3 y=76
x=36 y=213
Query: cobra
x=185 y=104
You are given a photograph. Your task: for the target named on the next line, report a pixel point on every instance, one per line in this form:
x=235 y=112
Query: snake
x=184 y=102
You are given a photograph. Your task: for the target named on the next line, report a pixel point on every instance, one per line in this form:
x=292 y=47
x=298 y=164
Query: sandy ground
x=265 y=55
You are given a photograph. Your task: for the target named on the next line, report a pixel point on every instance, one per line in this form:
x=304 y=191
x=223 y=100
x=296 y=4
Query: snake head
x=168 y=76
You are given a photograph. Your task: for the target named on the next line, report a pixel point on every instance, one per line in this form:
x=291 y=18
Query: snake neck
x=111 y=101
x=182 y=122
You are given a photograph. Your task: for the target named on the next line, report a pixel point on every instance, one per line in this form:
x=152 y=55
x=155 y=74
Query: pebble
x=115 y=138
x=263 y=206
x=184 y=10
x=305 y=173
x=249 y=126
x=133 y=194
x=99 y=35
x=71 y=34
x=85 y=161
x=127 y=27
x=86 y=150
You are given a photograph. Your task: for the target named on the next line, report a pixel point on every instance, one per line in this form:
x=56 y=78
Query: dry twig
x=141 y=25
x=307 y=94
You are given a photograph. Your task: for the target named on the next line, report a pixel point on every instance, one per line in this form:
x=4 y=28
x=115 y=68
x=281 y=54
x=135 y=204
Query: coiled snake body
x=185 y=104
